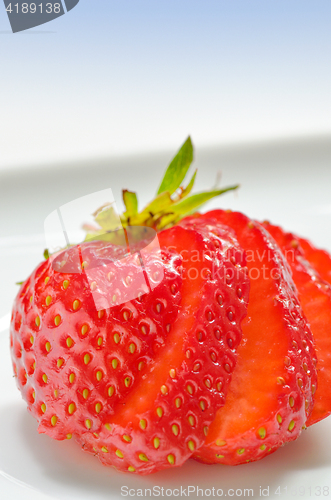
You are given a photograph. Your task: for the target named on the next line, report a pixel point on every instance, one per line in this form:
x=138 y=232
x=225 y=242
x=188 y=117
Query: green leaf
x=131 y=203
x=196 y=200
x=162 y=202
x=114 y=237
x=169 y=207
x=46 y=254
x=178 y=168
x=190 y=204
x=190 y=185
x=19 y=283
x=107 y=218
x=166 y=220
x=94 y=235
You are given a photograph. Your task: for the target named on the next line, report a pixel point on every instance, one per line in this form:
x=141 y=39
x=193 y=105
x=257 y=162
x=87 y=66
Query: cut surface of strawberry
x=270 y=395
x=137 y=384
x=315 y=298
x=318 y=258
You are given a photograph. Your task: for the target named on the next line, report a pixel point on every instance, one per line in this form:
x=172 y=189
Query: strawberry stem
x=171 y=204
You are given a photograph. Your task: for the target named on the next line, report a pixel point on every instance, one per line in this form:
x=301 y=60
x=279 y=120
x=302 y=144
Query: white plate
x=33 y=466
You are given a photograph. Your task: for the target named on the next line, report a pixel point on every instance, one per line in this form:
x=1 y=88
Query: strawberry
x=138 y=383
x=318 y=258
x=168 y=415
x=147 y=366
x=270 y=395
x=315 y=298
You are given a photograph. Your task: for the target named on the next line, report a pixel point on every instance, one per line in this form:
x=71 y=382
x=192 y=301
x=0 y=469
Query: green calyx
x=171 y=204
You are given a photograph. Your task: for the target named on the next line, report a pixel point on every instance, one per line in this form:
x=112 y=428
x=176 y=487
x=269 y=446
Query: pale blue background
x=117 y=77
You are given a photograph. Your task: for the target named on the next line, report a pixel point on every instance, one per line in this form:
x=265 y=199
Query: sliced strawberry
x=167 y=417
x=270 y=395
x=137 y=384
x=319 y=259
x=315 y=298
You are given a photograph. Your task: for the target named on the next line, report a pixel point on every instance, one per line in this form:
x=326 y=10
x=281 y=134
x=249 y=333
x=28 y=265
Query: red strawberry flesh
x=270 y=395
x=315 y=298
x=318 y=258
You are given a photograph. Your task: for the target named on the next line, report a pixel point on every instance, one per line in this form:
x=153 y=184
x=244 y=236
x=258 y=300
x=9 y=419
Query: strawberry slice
x=270 y=395
x=315 y=298
x=318 y=258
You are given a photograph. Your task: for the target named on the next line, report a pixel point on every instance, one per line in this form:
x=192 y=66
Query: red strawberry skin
x=270 y=395
x=137 y=384
x=64 y=350
x=315 y=298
